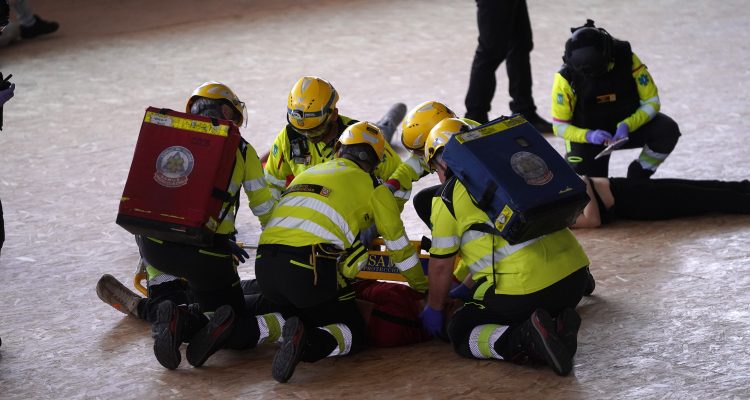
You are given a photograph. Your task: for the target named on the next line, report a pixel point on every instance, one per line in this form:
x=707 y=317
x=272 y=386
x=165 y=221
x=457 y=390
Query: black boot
x=536 y=339
x=294 y=340
x=40 y=27
x=211 y=337
x=635 y=171
x=568 y=323
x=174 y=325
x=539 y=123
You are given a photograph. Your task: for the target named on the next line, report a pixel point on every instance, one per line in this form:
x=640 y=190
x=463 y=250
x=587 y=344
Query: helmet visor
x=312 y=133
x=589 y=61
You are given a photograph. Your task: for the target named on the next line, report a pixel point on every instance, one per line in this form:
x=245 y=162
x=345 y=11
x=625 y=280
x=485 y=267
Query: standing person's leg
x=494 y=23
x=24 y=13
x=518 y=61
x=31 y=24
x=518 y=65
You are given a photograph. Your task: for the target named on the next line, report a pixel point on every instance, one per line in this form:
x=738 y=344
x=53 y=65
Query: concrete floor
x=669 y=318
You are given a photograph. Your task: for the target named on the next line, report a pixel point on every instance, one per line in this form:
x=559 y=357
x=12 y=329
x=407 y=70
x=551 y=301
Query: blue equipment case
x=521 y=182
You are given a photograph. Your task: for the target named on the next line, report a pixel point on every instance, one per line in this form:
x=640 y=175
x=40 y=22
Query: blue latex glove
x=461 y=291
x=238 y=251
x=622 y=132
x=432 y=321
x=368 y=235
x=598 y=136
x=7 y=94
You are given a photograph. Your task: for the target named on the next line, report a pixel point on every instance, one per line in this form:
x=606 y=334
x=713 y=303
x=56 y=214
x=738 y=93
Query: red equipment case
x=178 y=178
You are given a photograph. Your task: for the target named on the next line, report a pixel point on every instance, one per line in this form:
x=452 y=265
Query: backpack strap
x=446 y=195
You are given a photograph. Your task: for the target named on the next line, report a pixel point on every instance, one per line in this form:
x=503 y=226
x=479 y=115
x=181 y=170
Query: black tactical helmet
x=589 y=49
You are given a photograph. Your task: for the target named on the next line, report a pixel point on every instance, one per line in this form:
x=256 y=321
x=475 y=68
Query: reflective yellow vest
x=332 y=203
x=518 y=269
x=281 y=162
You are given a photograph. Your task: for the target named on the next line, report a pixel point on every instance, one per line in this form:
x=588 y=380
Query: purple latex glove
x=598 y=136
x=622 y=132
x=432 y=321
x=461 y=291
x=7 y=94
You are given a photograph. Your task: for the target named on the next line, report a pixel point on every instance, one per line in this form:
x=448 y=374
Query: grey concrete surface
x=669 y=318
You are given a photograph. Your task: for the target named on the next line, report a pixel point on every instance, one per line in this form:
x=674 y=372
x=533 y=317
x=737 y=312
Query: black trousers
x=660 y=134
x=287 y=279
x=210 y=272
x=512 y=310
x=504 y=35
x=658 y=199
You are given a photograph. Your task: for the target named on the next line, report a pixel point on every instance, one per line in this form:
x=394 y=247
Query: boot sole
x=555 y=351
x=113 y=292
x=167 y=342
x=287 y=357
x=210 y=338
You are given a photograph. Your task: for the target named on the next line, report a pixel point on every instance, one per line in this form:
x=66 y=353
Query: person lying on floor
x=660 y=199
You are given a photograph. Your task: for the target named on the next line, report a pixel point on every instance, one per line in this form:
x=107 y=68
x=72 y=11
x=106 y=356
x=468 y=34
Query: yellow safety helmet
x=419 y=121
x=440 y=134
x=310 y=104
x=363 y=132
x=217 y=90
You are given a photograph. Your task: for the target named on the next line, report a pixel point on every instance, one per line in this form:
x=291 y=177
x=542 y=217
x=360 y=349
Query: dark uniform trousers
x=289 y=278
x=512 y=310
x=660 y=134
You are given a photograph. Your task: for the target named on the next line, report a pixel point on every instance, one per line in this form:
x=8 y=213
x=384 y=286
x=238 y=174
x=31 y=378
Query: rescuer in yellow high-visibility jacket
x=515 y=289
x=210 y=271
x=314 y=125
x=311 y=247
x=603 y=95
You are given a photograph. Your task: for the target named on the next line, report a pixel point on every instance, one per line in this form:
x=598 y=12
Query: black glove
x=238 y=251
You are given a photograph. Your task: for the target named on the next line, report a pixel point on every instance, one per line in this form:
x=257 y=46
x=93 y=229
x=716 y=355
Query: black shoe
x=211 y=337
x=568 y=323
x=167 y=331
x=635 y=171
x=40 y=27
x=391 y=119
x=539 y=123
x=481 y=118
x=545 y=343
x=288 y=356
